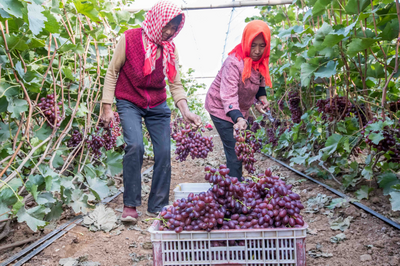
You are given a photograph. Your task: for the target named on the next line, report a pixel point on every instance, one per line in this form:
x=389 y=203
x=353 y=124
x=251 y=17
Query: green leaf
x=56 y=211
x=320 y=6
x=12 y=7
x=4 y=210
x=36 y=18
x=33 y=217
x=80 y=202
x=395 y=200
x=7 y=192
x=376 y=137
x=307 y=70
x=336 y=36
x=68 y=73
x=4 y=132
x=16 y=107
x=43 y=132
x=337 y=203
x=358 y=45
x=331 y=145
x=352 y=7
x=14 y=42
x=87 y=8
x=45 y=197
x=58 y=160
x=386 y=181
x=367 y=173
x=51 y=25
x=114 y=162
x=327 y=71
x=363 y=192
x=98 y=187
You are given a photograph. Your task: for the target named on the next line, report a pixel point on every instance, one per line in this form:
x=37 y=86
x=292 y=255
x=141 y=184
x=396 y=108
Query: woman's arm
x=117 y=62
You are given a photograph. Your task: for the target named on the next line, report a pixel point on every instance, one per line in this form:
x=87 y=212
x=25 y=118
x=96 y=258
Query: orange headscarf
x=242 y=50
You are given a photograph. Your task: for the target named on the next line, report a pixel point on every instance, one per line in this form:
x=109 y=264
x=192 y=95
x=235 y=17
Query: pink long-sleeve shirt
x=228 y=92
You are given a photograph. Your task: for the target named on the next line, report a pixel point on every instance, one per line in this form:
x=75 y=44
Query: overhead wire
x=227 y=33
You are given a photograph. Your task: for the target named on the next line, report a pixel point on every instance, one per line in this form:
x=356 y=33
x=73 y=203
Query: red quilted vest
x=143 y=91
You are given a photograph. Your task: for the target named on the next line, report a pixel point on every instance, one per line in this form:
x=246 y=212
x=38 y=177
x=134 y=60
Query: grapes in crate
x=263 y=201
x=246 y=146
x=190 y=141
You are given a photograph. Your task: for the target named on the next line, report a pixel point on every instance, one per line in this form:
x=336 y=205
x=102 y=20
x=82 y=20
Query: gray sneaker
x=152 y=214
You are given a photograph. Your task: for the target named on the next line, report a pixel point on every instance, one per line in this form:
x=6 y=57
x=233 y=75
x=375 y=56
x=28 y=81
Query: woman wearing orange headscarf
x=241 y=80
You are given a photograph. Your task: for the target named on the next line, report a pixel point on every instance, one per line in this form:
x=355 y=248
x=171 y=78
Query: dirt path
x=368 y=241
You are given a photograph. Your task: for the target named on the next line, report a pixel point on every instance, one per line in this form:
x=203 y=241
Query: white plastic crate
x=268 y=247
x=184 y=189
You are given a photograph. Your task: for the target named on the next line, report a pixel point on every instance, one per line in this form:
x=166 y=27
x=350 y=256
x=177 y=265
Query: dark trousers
x=225 y=131
x=157 y=122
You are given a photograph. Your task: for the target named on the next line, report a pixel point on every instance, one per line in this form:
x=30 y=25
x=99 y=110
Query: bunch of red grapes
x=51 y=110
x=190 y=141
x=246 y=146
x=388 y=143
x=264 y=201
x=294 y=106
x=75 y=139
x=106 y=138
x=110 y=136
x=338 y=108
x=394 y=106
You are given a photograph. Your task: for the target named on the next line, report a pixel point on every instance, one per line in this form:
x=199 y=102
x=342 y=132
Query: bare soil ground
x=369 y=241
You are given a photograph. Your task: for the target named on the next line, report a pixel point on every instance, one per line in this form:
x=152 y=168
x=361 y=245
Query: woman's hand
x=241 y=124
x=262 y=106
x=107 y=115
x=192 y=118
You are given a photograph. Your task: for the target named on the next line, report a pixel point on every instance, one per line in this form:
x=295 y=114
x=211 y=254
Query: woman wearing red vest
x=136 y=76
x=241 y=80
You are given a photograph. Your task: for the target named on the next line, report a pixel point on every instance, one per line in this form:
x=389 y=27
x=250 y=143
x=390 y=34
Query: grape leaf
x=12 y=7
x=114 y=162
x=14 y=42
x=33 y=217
x=6 y=193
x=79 y=202
x=358 y=45
x=307 y=70
x=320 y=6
x=4 y=210
x=386 y=181
x=51 y=25
x=363 y=192
x=331 y=145
x=327 y=71
x=98 y=187
x=376 y=137
x=36 y=18
x=354 y=7
x=4 y=132
x=45 y=197
x=340 y=223
x=87 y=8
x=367 y=172
x=337 y=203
x=56 y=211
x=395 y=200
x=16 y=107
x=43 y=132
x=396 y=187
x=58 y=160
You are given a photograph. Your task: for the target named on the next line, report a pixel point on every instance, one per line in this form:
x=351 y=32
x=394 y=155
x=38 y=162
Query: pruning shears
x=268 y=114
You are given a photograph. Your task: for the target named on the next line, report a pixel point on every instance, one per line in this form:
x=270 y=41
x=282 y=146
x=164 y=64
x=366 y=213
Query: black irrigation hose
x=359 y=205
x=55 y=234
